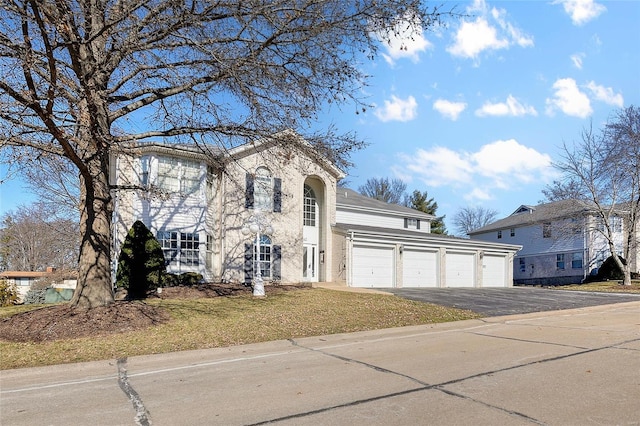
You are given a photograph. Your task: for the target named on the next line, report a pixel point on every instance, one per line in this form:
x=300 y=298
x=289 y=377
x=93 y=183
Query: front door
x=310 y=262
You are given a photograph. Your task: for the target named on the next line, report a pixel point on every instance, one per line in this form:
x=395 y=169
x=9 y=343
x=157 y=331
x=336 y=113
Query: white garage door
x=373 y=266
x=419 y=268
x=460 y=270
x=494 y=271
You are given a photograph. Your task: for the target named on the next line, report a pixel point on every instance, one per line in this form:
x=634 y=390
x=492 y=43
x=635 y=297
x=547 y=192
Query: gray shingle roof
x=349 y=198
x=528 y=215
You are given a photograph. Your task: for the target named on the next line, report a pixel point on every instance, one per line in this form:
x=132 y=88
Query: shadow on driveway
x=509 y=301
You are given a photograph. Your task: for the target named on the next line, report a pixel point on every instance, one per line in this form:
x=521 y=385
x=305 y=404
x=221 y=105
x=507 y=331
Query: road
x=570 y=367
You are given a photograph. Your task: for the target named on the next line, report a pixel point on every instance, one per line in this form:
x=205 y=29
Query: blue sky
x=476 y=112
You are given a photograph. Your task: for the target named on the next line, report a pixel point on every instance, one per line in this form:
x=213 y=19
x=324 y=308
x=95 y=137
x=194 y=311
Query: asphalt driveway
x=508 y=301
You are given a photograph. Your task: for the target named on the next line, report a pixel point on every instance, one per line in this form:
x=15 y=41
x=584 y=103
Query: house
x=275 y=205
x=23 y=280
x=561 y=241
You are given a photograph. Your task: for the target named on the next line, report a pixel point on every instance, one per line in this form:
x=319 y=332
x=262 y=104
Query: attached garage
x=460 y=269
x=373 y=266
x=419 y=268
x=494 y=271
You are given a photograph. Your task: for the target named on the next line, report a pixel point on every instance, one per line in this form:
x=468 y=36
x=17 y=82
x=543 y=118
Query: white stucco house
x=562 y=242
x=199 y=203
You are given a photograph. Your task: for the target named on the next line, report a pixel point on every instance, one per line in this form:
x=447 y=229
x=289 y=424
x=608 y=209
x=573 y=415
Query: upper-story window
x=263 y=189
x=499 y=234
x=411 y=223
x=144 y=172
x=512 y=232
x=310 y=207
x=560 y=261
x=178 y=175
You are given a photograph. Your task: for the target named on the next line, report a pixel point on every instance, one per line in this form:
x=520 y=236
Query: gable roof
x=529 y=215
x=350 y=199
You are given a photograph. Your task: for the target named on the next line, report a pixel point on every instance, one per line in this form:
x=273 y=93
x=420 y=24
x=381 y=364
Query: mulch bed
x=64 y=322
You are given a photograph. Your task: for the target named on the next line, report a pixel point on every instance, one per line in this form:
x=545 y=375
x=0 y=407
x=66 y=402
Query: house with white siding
x=201 y=204
x=562 y=241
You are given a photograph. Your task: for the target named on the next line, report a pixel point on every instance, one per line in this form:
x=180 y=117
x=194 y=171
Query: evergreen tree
x=421 y=201
x=141 y=262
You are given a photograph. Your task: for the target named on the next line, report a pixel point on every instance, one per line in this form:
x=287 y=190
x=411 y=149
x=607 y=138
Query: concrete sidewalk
x=574 y=367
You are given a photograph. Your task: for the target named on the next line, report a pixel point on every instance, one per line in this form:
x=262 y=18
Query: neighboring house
x=198 y=204
x=23 y=280
x=561 y=242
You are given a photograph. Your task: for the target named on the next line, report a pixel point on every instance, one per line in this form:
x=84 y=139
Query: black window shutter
x=276 y=253
x=248 y=194
x=418 y=224
x=277 y=195
x=248 y=264
x=406 y=222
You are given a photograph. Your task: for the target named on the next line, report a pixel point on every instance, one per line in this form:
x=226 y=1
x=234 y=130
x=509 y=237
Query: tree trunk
x=94 y=267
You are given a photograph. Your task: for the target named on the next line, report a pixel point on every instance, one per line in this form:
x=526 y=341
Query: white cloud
x=576 y=59
x=398 y=109
x=500 y=165
x=438 y=167
x=511 y=108
x=449 y=109
x=569 y=99
x=489 y=31
x=606 y=95
x=406 y=40
x=581 y=11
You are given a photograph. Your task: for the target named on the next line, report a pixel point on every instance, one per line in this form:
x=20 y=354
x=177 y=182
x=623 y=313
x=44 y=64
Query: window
x=523 y=265
x=264 y=261
x=309 y=211
x=180 y=247
x=210 y=182
x=189 y=249
x=499 y=234
x=559 y=261
x=546 y=230
x=576 y=260
x=513 y=232
x=616 y=224
x=177 y=175
x=209 y=258
x=144 y=172
x=411 y=223
x=263 y=189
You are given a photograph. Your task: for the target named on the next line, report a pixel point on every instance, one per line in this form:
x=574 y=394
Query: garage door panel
x=460 y=270
x=373 y=266
x=493 y=271
x=419 y=268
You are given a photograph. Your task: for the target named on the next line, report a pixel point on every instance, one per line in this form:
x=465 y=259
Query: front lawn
x=210 y=322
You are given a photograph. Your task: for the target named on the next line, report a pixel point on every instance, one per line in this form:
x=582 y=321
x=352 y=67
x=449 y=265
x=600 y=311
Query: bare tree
x=83 y=79
x=33 y=239
x=469 y=218
x=603 y=172
x=384 y=190
x=55 y=180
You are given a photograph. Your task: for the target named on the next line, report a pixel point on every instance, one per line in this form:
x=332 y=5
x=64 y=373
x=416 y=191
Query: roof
x=529 y=215
x=23 y=274
x=349 y=198
x=438 y=239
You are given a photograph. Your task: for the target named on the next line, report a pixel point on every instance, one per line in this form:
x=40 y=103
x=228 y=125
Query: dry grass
x=225 y=321
x=605 y=286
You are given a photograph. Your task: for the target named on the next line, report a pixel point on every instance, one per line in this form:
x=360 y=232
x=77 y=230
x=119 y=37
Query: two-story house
x=201 y=203
x=562 y=242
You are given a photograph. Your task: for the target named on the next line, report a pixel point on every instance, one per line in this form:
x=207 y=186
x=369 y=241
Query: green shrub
x=8 y=293
x=610 y=270
x=35 y=295
x=184 y=279
x=141 y=264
